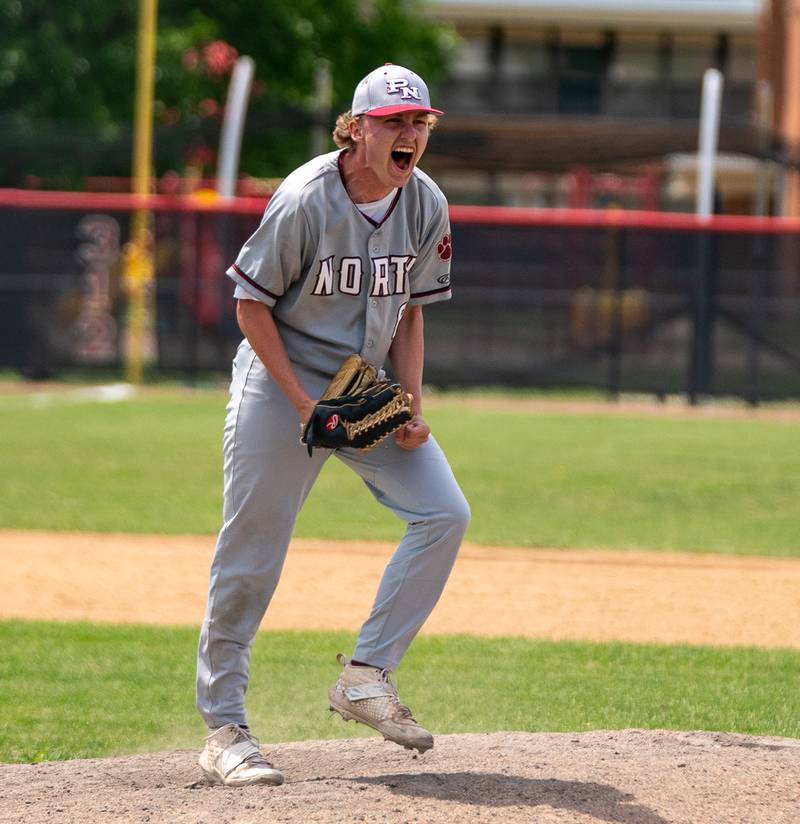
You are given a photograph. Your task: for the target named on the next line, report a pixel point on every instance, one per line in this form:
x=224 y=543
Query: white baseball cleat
x=232 y=757
x=366 y=695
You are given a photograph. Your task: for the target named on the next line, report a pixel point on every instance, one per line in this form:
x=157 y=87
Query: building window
x=691 y=56
x=741 y=66
x=525 y=55
x=583 y=61
x=471 y=59
x=636 y=58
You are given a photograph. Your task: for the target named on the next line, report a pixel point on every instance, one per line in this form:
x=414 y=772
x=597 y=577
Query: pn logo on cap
x=401 y=86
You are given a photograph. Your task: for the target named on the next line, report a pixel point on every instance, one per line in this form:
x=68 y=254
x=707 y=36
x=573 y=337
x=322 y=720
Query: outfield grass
x=153 y=464
x=81 y=691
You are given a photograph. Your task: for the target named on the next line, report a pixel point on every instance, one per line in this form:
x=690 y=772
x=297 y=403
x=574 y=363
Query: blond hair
x=341 y=131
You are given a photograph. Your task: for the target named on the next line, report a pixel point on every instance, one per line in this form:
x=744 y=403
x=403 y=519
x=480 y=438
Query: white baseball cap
x=391 y=89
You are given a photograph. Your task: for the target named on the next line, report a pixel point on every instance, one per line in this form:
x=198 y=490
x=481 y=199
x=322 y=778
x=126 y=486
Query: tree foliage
x=72 y=64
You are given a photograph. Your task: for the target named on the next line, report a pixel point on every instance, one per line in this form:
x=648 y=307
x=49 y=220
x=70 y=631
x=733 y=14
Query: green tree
x=66 y=62
x=67 y=73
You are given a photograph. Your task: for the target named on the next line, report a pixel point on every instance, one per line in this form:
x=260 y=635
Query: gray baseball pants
x=267 y=476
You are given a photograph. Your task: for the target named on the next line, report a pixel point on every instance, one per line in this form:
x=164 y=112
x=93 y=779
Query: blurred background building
x=596 y=102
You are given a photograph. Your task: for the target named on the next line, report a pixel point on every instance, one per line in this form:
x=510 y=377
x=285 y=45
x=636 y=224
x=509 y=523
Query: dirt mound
x=639 y=777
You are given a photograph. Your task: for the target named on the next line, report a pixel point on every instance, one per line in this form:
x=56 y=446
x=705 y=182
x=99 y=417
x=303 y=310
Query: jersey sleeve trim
x=429 y=292
x=431 y=296
x=236 y=273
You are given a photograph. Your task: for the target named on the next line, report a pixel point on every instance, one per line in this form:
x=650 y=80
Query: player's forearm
x=258 y=326
x=407 y=354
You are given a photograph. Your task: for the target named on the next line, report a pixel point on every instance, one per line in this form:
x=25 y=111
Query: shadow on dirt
x=600 y=801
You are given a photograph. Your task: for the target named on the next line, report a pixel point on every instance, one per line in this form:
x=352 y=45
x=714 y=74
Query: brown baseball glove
x=357 y=409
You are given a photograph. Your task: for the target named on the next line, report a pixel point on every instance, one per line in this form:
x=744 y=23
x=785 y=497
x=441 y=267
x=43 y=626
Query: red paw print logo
x=445 y=248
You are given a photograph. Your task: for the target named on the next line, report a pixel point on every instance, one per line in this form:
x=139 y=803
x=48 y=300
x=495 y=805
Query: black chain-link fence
x=640 y=303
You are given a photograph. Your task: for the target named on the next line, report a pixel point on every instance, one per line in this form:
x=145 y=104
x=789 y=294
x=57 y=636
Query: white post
x=233 y=125
x=709 y=136
x=765 y=111
x=323 y=98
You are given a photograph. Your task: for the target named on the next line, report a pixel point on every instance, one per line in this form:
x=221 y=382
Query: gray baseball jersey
x=338 y=281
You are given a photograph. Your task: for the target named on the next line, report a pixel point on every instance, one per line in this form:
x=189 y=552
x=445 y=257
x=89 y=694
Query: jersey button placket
x=372 y=319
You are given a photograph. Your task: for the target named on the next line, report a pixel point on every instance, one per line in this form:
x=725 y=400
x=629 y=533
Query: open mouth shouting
x=402 y=157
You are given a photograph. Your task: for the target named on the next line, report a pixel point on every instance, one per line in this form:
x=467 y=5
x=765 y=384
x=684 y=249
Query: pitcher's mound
x=634 y=776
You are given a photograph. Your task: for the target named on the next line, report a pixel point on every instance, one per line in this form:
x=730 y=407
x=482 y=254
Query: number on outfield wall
x=96 y=339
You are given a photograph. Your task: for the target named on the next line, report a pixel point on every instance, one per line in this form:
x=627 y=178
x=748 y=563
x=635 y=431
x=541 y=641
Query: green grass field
x=153 y=464
x=79 y=691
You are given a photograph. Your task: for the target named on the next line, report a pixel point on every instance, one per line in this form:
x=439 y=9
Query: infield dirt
x=493 y=591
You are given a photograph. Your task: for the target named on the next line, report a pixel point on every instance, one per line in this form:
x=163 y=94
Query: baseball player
x=351 y=246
